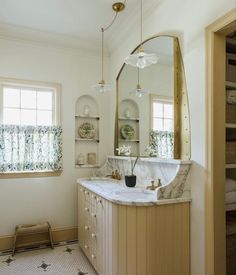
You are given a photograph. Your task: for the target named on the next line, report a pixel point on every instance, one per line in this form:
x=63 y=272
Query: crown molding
x=48 y=39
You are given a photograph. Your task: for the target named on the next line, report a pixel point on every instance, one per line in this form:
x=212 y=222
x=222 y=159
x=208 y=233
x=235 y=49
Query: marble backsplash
x=172 y=173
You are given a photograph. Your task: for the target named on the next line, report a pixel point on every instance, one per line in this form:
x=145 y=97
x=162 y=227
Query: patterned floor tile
x=62 y=260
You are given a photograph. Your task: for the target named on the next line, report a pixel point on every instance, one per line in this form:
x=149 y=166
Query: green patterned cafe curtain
x=30 y=148
x=163 y=143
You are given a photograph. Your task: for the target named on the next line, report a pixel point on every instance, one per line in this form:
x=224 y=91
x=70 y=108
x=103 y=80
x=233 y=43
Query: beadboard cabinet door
x=134 y=240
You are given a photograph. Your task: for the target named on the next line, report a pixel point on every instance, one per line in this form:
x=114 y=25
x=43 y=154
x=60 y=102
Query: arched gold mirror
x=154 y=121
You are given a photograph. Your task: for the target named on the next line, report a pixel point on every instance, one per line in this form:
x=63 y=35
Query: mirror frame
x=182 y=131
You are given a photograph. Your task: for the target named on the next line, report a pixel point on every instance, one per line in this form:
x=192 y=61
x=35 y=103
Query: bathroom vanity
x=127 y=231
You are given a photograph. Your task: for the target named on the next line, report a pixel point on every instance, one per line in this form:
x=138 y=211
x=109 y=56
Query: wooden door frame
x=215 y=241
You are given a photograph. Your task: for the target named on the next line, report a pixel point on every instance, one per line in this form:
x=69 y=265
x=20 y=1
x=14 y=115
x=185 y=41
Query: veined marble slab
x=172 y=173
x=117 y=192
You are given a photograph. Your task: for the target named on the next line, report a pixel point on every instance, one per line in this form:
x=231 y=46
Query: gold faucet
x=116 y=175
x=153 y=186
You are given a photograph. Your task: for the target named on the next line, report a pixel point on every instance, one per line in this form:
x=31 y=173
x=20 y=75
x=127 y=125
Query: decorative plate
x=86 y=130
x=127 y=131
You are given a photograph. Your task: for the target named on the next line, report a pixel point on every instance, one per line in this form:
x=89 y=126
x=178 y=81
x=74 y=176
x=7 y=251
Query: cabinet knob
x=94 y=215
x=87 y=192
x=93 y=256
x=94 y=196
x=86 y=209
x=99 y=200
x=93 y=235
x=86 y=246
x=86 y=227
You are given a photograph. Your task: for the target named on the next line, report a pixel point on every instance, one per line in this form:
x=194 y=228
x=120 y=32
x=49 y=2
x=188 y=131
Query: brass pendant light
x=102 y=87
x=140 y=59
x=138 y=91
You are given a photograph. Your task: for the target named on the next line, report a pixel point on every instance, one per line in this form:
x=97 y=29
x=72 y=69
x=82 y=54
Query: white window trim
x=33 y=84
x=161 y=99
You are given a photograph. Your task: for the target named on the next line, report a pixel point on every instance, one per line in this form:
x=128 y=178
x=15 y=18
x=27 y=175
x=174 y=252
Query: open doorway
x=221 y=133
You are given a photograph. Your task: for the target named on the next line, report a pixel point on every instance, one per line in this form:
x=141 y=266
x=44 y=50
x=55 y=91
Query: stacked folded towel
x=230 y=195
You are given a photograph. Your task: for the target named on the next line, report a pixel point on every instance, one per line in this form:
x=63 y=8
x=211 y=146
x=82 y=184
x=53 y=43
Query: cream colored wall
x=186 y=19
x=55 y=198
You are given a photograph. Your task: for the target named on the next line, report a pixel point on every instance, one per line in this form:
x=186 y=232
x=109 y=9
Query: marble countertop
x=117 y=192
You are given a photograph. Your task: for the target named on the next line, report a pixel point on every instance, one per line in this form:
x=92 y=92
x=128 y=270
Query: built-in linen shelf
x=230 y=125
x=230 y=166
x=129 y=118
x=88 y=117
x=230 y=85
x=87 y=139
x=231 y=41
x=87 y=166
x=129 y=140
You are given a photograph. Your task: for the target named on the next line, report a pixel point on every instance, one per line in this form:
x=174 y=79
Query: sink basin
x=136 y=194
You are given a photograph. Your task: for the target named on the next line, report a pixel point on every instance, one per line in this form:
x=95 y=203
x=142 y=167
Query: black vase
x=130 y=181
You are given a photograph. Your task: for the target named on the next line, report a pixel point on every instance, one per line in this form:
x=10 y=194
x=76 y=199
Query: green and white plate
x=86 y=130
x=127 y=131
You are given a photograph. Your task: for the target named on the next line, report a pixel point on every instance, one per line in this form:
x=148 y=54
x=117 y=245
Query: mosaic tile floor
x=64 y=260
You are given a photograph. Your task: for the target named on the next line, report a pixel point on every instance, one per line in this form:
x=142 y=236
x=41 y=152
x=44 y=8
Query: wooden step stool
x=25 y=230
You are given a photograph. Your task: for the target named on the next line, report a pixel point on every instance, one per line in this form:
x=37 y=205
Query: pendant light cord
x=138 y=77
x=141 y=27
x=102 y=54
x=103 y=30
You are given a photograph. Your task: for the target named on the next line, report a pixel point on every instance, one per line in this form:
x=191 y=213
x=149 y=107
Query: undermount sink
x=135 y=194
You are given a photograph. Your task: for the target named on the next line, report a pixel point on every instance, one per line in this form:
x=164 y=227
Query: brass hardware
x=115 y=175
x=119 y=6
x=153 y=186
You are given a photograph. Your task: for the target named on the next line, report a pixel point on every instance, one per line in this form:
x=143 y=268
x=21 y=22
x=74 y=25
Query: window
x=162 y=114
x=28 y=106
x=30 y=135
x=162 y=126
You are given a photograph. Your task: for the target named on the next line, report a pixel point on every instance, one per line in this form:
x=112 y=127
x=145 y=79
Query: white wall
x=186 y=19
x=55 y=198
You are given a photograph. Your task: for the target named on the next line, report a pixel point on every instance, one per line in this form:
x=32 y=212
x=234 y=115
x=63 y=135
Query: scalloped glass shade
x=102 y=87
x=141 y=59
x=139 y=92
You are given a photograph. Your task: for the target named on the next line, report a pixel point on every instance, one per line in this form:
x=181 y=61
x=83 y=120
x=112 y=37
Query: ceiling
x=81 y=19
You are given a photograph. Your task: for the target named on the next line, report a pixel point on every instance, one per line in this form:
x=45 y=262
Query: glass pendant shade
x=102 y=87
x=141 y=59
x=138 y=91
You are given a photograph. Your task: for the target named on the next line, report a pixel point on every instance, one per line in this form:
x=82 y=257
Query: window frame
x=163 y=100
x=30 y=84
x=13 y=82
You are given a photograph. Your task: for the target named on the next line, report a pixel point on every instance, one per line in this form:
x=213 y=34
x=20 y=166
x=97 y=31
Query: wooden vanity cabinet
x=134 y=240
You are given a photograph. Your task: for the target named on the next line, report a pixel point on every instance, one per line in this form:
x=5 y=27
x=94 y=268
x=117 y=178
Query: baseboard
x=59 y=235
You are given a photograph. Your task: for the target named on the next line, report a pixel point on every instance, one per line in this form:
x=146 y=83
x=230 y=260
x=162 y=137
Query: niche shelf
x=129 y=115
x=86 y=111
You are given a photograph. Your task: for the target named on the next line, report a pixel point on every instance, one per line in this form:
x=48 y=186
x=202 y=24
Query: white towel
x=230 y=185
x=230 y=197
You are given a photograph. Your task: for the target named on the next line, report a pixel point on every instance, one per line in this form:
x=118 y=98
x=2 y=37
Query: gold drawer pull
x=93 y=235
x=93 y=256
x=86 y=228
x=93 y=215
x=86 y=209
x=86 y=246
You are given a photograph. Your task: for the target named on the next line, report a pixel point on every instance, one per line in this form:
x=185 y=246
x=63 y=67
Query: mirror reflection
x=147 y=113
